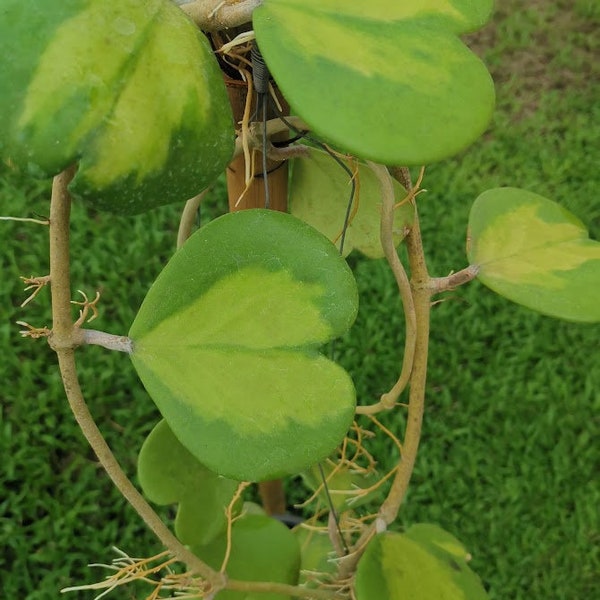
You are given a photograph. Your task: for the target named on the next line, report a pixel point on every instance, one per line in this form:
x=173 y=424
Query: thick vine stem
x=216 y=15
x=389 y=399
x=62 y=341
x=421 y=292
x=60 y=212
x=421 y=295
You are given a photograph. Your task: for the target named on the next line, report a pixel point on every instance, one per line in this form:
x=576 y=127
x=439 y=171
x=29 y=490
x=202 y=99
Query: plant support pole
x=63 y=339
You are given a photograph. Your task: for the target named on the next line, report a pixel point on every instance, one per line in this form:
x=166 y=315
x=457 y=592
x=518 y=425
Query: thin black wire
x=332 y=509
x=337 y=159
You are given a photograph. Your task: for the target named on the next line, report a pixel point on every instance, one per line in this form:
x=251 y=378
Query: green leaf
x=226 y=343
x=317 y=556
x=534 y=252
x=434 y=537
x=251 y=508
x=130 y=90
x=262 y=549
x=168 y=473
x=395 y=567
x=385 y=80
x=320 y=193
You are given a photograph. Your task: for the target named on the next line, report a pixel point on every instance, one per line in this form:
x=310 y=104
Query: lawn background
x=510 y=454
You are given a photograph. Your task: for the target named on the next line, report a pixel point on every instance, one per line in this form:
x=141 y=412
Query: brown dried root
x=86 y=305
x=251 y=135
x=347 y=525
x=148 y=570
x=33 y=332
x=413 y=191
x=36 y=284
x=360 y=462
x=231 y=518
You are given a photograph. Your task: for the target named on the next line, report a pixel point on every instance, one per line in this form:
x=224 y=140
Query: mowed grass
x=509 y=452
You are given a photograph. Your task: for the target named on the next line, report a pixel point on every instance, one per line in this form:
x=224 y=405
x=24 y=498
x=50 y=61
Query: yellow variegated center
x=291 y=387
x=111 y=70
x=521 y=247
x=358 y=50
x=252 y=308
x=250 y=336
x=87 y=64
x=386 y=10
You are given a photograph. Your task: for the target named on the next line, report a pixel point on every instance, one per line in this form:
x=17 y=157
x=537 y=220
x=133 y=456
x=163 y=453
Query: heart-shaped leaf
x=386 y=80
x=129 y=89
x=534 y=252
x=262 y=549
x=394 y=566
x=226 y=343
x=168 y=473
x=320 y=193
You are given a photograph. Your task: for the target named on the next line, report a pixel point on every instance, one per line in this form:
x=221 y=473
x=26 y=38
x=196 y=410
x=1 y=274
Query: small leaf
x=130 y=90
x=320 y=193
x=226 y=343
x=318 y=555
x=395 y=567
x=534 y=252
x=168 y=473
x=385 y=80
x=262 y=549
x=433 y=536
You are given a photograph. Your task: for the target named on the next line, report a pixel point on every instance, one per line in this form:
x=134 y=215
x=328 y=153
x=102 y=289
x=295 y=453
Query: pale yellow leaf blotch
x=387 y=10
x=96 y=61
x=125 y=114
x=285 y=313
x=292 y=388
x=165 y=101
x=520 y=247
x=358 y=50
x=215 y=335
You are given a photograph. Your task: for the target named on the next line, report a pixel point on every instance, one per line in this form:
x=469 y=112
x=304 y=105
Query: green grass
x=509 y=451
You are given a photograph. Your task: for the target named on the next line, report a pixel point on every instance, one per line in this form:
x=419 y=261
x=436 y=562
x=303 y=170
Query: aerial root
x=33 y=332
x=414 y=191
x=36 y=284
x=87 y=306
x=148 y=570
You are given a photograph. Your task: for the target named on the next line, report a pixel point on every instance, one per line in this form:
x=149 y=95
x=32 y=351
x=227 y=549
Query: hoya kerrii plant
x=126 y=105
